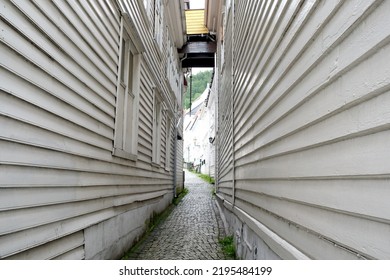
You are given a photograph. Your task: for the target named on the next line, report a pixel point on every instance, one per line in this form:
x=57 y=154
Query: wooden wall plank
x=302 y=130
x=57 y=249
x=58 y=78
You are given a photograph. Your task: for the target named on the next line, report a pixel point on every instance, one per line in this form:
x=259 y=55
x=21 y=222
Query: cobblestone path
x=191 y=231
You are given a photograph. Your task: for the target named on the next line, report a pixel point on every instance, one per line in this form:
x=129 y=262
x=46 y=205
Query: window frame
x=157 y=127
x=125 y=143
x=168 y=139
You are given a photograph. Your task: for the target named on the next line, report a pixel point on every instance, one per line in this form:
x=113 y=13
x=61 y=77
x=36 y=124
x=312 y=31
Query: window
x=157 y=105
x=168 y=143
x=127 y=95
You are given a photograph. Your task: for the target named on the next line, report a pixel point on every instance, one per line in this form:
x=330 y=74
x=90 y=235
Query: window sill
x=123 y=154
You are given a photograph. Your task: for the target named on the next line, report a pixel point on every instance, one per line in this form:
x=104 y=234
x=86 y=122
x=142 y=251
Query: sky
x=196 y=70
x=197 y=4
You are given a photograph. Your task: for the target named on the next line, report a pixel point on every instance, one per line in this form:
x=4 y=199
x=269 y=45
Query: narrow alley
x=192 y=230
x=100 y=111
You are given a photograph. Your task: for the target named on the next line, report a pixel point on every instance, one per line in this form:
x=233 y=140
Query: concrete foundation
x=112 y=238
x=249 y=246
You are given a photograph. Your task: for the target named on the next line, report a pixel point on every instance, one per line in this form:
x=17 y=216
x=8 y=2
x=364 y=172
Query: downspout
x=216 y=124
x=190 y=92
x=233 y=131
x=175 y=158
x=183 y=58
x=177 y=122
x=183 y=20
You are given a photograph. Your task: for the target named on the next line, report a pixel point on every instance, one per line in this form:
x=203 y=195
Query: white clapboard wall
x=58 y=177
x=304 y=155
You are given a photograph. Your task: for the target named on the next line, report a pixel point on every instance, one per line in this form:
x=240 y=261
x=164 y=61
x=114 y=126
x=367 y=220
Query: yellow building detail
x=195 y=22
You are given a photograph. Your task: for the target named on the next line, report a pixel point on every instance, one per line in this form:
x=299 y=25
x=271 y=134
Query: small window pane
x=130 y=73
x=123 y=57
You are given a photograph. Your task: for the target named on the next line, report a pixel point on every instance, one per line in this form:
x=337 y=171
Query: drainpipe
x=190 y=92
x=216 y=122
x=233 y=130
x=182 y=14
x=175 y=158
x=177 y=123
x=183 y=58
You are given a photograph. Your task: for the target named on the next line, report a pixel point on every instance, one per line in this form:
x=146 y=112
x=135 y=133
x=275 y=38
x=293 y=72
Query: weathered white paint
x=113 y=236
x=68 y=247
x=303 y=127
x=63 y=194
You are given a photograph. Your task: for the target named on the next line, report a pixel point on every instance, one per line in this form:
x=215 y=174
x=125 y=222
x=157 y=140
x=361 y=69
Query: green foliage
x=199 y=84
x=206 y=178
x=228 y=247
x=177 y=199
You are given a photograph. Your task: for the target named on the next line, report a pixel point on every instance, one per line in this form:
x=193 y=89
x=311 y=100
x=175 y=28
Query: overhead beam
x=199 y=47
x=198 y=54
x=207 y=62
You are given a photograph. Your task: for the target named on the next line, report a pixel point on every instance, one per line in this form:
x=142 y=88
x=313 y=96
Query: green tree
x=199 y=84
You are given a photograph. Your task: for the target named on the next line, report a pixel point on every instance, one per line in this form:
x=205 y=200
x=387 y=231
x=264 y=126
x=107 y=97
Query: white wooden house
x=303 y=127
x=199 y=133
x=195 y=131
x=90 y=98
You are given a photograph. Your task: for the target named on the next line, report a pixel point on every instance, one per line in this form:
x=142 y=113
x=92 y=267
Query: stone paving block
x=191 y=231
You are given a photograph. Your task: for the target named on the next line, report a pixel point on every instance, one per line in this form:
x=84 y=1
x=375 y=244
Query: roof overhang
x=176 y=20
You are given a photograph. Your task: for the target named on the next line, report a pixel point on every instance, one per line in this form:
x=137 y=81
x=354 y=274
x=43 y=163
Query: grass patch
x=228 y=247
x=177 y=199
x=206 y=178
x=152 y=223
